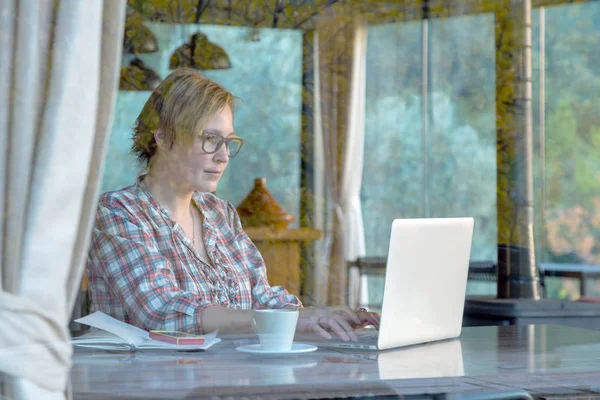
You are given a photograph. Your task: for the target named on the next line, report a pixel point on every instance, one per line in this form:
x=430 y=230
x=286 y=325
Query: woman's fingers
x=349 y=313
x=316 y=328
x=370 y=318
x=306 y=325
x=340 y=327
x=339 y=320
x=345 y=326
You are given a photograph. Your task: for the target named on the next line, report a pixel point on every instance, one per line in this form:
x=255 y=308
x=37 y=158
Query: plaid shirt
x=143 y=269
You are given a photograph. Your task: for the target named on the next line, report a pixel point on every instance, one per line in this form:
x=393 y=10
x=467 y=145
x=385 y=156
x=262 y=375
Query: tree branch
x=200 y=9
x=329 y=4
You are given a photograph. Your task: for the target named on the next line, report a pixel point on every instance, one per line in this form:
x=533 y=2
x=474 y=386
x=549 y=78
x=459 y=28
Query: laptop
x=425 y=284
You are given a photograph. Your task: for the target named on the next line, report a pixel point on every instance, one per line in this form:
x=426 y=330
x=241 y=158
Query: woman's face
x=194 y=169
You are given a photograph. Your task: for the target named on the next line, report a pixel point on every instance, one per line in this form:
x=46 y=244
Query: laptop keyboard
x=370 y=338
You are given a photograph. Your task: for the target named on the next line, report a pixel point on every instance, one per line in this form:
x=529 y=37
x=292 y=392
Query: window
x=567 y=103
x=430 y=127
x=266 y=75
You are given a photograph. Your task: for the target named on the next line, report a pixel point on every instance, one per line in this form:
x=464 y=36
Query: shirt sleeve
x=263 y=294
x=125 y=256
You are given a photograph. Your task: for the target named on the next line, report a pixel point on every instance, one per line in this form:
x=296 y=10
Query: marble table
x=542 y=361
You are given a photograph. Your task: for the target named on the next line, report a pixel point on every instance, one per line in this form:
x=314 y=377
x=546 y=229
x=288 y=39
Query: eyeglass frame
x=222 y=140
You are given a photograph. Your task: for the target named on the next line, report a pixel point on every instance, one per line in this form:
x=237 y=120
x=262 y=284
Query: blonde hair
x=180 y=106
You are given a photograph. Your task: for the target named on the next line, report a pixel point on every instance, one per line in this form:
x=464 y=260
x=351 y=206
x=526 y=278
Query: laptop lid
x=425 y=281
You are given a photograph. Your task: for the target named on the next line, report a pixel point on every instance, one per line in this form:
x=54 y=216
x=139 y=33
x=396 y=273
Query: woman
x=168 y=254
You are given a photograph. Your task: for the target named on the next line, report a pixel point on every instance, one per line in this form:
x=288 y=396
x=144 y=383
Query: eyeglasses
x=211 y=143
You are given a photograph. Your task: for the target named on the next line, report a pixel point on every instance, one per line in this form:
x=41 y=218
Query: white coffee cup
x=275 y=328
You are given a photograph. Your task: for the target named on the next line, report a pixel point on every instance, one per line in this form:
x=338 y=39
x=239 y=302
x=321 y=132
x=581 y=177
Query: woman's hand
x=340 y=320
x=368 y=318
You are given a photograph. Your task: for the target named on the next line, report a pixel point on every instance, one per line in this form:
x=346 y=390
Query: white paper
x=117 y=334
x=129 y=333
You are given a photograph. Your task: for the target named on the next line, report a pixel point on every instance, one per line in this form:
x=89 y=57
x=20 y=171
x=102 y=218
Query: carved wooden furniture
x=281 y=250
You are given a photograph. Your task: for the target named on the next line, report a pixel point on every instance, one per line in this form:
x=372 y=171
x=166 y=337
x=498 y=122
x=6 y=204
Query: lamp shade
x=200 y=53
x=137 y=76
x=138 y=39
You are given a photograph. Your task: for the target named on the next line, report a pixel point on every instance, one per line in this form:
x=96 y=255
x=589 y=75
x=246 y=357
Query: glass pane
x=121 y=167
x=572 y=163
x=392 y=184
x=266 y=76
x=461 y=142
x=461 y=152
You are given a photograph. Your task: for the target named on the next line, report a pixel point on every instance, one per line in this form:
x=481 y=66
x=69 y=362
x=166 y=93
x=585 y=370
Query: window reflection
x=430 y=120
x=447 y=167
x=566 y=100
x=265 y=75
x=434 y=108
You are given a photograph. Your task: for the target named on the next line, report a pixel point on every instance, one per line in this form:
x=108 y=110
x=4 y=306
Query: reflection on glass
x=566 y=96
x=461 y=152
x=441 y=359
x=266 y=76
x=393 y=164
x=461 y=142
x=457 y=176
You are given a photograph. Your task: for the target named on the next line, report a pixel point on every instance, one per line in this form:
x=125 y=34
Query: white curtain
x=354 y=233
x=59 y=70
x=320 y=274
x=339 y=107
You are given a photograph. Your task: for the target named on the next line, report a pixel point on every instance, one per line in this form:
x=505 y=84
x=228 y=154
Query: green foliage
x=572 y=181
x=460 y=152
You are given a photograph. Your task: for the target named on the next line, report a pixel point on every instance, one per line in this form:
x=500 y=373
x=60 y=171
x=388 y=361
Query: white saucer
x=296 y=348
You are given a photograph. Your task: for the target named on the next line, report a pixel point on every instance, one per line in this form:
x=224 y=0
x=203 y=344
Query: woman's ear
x=159 y=137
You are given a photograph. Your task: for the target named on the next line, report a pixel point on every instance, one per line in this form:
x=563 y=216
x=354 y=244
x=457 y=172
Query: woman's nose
x=222 y=155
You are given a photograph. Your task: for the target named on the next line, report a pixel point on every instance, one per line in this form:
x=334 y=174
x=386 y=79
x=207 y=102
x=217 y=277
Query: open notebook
x=118 y=335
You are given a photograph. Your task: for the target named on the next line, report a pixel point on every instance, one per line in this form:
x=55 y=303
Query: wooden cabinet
x=281 y=250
